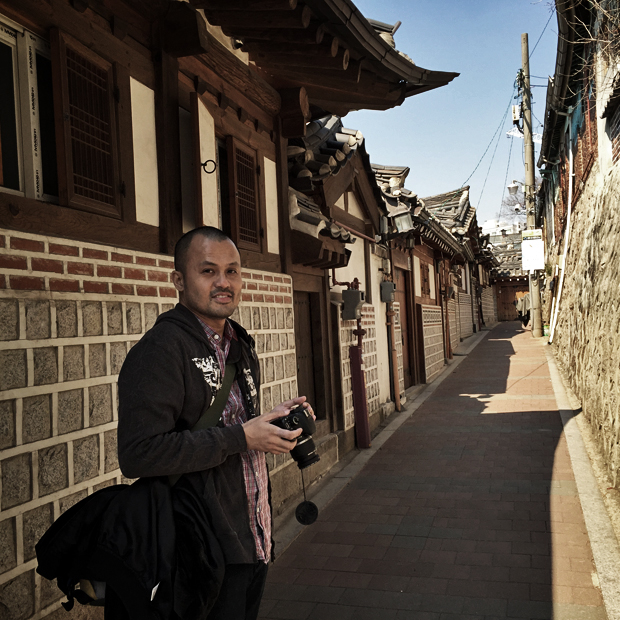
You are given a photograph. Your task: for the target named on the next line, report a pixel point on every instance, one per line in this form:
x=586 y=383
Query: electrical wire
x=499 y=135
x=499 y=216
x=541 y=35
x=501 y=124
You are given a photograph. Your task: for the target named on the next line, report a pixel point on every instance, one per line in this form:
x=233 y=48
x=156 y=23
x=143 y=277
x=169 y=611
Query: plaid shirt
x=254 y=466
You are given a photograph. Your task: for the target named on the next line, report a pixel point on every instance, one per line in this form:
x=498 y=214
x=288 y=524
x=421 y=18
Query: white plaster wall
x=383 y=352
x=144 y=153
x=354 y=206
x=355 y=268
x=271 y=199
x=417 y=277
x=208 y=182
x=431 y=279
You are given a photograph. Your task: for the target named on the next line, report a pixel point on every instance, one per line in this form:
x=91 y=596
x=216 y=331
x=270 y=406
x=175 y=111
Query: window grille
x=91 y=134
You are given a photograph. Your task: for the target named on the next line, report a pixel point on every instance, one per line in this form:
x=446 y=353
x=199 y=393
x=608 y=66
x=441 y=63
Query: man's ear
x=177 y=280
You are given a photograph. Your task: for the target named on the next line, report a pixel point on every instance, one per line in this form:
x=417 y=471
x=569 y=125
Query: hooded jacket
x=168 y=379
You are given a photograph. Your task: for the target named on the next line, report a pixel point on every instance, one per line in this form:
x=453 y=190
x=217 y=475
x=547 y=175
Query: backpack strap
x=211 y=415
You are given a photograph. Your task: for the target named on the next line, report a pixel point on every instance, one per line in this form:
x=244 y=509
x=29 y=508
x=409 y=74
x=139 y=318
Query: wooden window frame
x=60 y=41
x=233 y=145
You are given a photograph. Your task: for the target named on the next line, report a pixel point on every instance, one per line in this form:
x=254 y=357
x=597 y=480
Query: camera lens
x=304 y=452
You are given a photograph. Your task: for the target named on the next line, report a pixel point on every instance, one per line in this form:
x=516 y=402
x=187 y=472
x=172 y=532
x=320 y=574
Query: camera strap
x=211 y=415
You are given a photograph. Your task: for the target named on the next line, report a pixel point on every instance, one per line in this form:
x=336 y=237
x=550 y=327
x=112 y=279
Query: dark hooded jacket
x=168 y=379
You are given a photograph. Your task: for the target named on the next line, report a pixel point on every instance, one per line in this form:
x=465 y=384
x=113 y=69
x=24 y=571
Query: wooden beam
x=224 y=71
x=295 y=112
x=328 y=47
x=184 y=31
x=168 y=150
x=349 y=81
x=44 y=218
x=299 y=19
x=282 y=61
x=315 y=33
x=245 y=5
x=284 y=225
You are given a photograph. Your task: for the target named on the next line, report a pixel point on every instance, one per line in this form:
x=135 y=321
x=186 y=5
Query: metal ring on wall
x=206 y=163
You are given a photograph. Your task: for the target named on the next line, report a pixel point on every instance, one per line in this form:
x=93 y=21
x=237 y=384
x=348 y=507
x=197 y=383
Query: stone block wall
x=433 y=341
x=454 y=323
x=489 y=305
x=69 y=312
x=369 y=355
x=587 y=335
x=466 y=322
x=266 y=311
x=399 y=351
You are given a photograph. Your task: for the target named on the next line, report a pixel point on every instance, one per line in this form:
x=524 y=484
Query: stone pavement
x=469 y=510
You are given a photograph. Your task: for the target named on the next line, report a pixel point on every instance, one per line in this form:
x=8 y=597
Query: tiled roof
x=325 y=149
x=452 y=209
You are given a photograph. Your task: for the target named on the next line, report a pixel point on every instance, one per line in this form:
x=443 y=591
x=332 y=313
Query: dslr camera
x=304 y=452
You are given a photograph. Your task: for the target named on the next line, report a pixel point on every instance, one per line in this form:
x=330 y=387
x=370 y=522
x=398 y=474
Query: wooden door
x=304 y=348
x=507 y=294
x=401 y=296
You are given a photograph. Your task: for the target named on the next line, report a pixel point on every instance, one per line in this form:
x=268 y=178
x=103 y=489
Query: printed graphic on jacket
x=252 y=393
x=211 y=373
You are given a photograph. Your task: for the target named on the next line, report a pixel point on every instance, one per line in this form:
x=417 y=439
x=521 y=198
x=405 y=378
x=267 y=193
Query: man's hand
x=261 y=435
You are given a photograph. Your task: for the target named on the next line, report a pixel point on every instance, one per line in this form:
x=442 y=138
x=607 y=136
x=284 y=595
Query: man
x=170 y=378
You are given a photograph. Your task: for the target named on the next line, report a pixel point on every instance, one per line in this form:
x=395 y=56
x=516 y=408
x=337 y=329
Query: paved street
x=470 y=510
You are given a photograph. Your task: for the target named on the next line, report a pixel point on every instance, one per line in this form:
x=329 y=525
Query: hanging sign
x=532 y=250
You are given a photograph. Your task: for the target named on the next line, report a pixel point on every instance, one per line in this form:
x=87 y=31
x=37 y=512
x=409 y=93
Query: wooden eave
x=373 y=76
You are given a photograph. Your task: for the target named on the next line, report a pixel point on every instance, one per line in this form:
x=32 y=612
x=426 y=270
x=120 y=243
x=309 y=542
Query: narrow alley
x=470 y=509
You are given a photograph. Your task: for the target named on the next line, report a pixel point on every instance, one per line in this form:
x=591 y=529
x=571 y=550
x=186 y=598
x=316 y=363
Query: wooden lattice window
x=86 y=128
x=425 y=280
x=245 y=196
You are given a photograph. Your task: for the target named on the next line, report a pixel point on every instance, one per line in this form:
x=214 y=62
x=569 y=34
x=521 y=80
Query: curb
x=603 y=542
x=286 y=528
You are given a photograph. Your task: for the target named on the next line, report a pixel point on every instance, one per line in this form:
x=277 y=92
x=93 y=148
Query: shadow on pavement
x=459 y=515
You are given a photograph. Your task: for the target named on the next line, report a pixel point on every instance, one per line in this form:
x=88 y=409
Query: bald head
x=181 y=249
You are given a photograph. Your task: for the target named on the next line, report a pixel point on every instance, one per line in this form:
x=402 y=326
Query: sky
x=441 y=135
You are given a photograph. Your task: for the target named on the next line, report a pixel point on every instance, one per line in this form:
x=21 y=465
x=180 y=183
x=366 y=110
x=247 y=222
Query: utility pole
x=530 y=182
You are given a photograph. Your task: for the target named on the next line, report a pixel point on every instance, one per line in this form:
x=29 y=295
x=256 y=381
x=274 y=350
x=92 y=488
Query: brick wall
x=266 y=311
x=369 y=354
x=69 y=312
x=489 y=307
x=465 y=317
x=433 y=341
x=455 y=332
x=399 y=350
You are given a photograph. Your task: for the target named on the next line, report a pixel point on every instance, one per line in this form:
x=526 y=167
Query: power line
x=501 y=124
x=541 y=34
x=499 y=216
x=492 y=159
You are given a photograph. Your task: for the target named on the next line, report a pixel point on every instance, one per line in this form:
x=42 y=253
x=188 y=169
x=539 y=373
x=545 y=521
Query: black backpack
x=65 y=550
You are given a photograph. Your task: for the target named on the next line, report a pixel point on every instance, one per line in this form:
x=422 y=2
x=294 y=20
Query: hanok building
x=123 y=124
x=472 y=298
x=421 y=260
